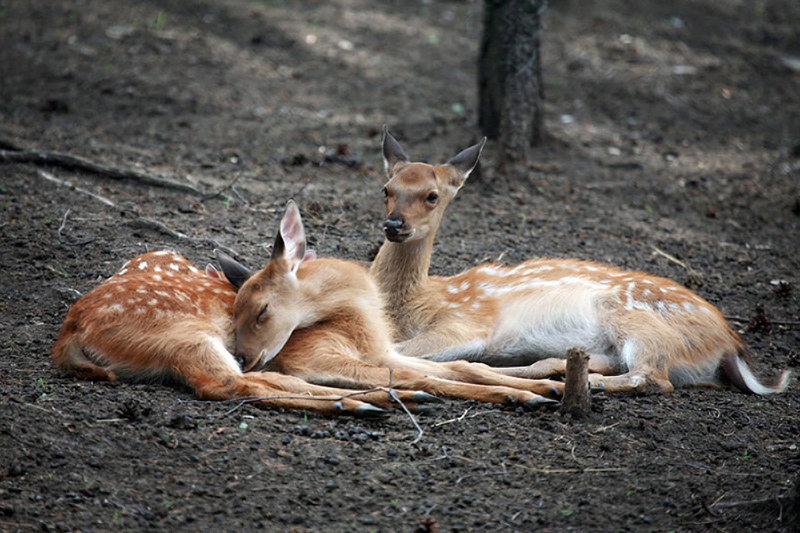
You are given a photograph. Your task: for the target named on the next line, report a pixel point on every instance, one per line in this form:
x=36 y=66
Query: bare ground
x=672 y=129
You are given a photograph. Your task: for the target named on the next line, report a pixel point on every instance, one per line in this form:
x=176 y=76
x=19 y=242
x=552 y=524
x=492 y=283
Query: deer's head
x=269 y=305
x=416 y=194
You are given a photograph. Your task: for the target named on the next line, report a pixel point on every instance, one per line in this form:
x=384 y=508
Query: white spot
x=453 y=305
x=153 y=301
x=161 y=252
x=647 y=292
x=142 y=265
x=689 y=306
x=193 y=270
x=140 y=310
x=174 y=267
x=464 y=285
x=452 y=289
x=159 y=313
x=217 y=291
x=476 y=305
x=122 y=272
x=157 y=277
x=629 y=295
x=157 y=268
x=661 y=306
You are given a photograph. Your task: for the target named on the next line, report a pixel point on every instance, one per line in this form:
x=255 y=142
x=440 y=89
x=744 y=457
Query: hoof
x=369 y=411
x=424 y=397
x=337 y=406
x=540 y=402
x=599 y=387
x=555 y=392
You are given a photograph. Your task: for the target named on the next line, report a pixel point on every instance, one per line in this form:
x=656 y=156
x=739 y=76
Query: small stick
x=672 y=258
x=63 y=183
x=63 y=222
x=147 y=223
x=577 y=400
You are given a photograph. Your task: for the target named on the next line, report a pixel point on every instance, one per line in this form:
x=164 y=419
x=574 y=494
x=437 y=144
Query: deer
x=643 y=333
x=322 y=320
x=159 y=318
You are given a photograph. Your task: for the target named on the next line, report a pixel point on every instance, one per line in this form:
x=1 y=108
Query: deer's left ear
x=465 y=161
x=290 y=244
x=236 y=272
x=393 y=153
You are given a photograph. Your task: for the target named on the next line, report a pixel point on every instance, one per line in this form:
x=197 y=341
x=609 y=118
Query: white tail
x=641 y=331
x=322 y=320
x=160 y=318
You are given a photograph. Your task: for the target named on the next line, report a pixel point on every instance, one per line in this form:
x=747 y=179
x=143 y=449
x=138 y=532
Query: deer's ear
x=236 y=272
x=393 y=153
x=466 y=160
x=290 y=244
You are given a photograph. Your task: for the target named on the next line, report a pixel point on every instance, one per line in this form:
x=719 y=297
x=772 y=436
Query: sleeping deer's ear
x=236 y=272
x=465 y=162
x=290 y=243
x=393 y=153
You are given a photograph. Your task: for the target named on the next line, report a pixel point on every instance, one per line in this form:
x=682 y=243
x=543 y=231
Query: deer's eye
x=432 y=198
x=262 y=315
x=385 y=192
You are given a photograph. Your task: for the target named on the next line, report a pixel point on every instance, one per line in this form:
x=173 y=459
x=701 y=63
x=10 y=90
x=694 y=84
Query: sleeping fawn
x=160 y=318
x=322 y=320
x=642 y=332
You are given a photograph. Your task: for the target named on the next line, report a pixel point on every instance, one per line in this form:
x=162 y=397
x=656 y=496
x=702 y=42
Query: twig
x=230 y=186
x=72 y=162
x=411 y=416
x=147 y=223
x=63 y=223
x=482 y=474
x=63 y=183
x=672 y=258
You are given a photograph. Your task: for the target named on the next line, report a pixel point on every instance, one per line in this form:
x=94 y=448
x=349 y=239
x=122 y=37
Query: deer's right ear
x=466 y=160
x=393 y=153
x=290 y=243
x=236 y=272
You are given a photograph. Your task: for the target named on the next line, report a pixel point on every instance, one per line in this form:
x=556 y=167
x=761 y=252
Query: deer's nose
x=392 y=226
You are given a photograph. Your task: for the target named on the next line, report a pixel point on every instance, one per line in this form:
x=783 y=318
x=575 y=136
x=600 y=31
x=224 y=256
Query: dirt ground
x=673 y=147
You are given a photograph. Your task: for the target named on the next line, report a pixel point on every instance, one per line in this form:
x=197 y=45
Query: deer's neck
x=401 y=272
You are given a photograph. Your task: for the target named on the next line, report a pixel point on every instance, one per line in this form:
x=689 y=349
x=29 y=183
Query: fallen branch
x=73 y=162
x=147 y=223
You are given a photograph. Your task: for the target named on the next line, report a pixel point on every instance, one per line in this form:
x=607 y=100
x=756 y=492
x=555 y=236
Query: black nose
x=392 y=227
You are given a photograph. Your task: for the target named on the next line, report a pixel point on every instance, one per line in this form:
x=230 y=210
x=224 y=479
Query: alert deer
x=641 y=331
x=322 y=321
x=160 y=318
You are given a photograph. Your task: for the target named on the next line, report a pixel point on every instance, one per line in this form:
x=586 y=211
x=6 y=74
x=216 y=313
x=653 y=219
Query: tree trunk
x=510 y=76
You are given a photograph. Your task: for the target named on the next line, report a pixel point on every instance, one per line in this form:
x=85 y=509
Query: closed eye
x=263 y=314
